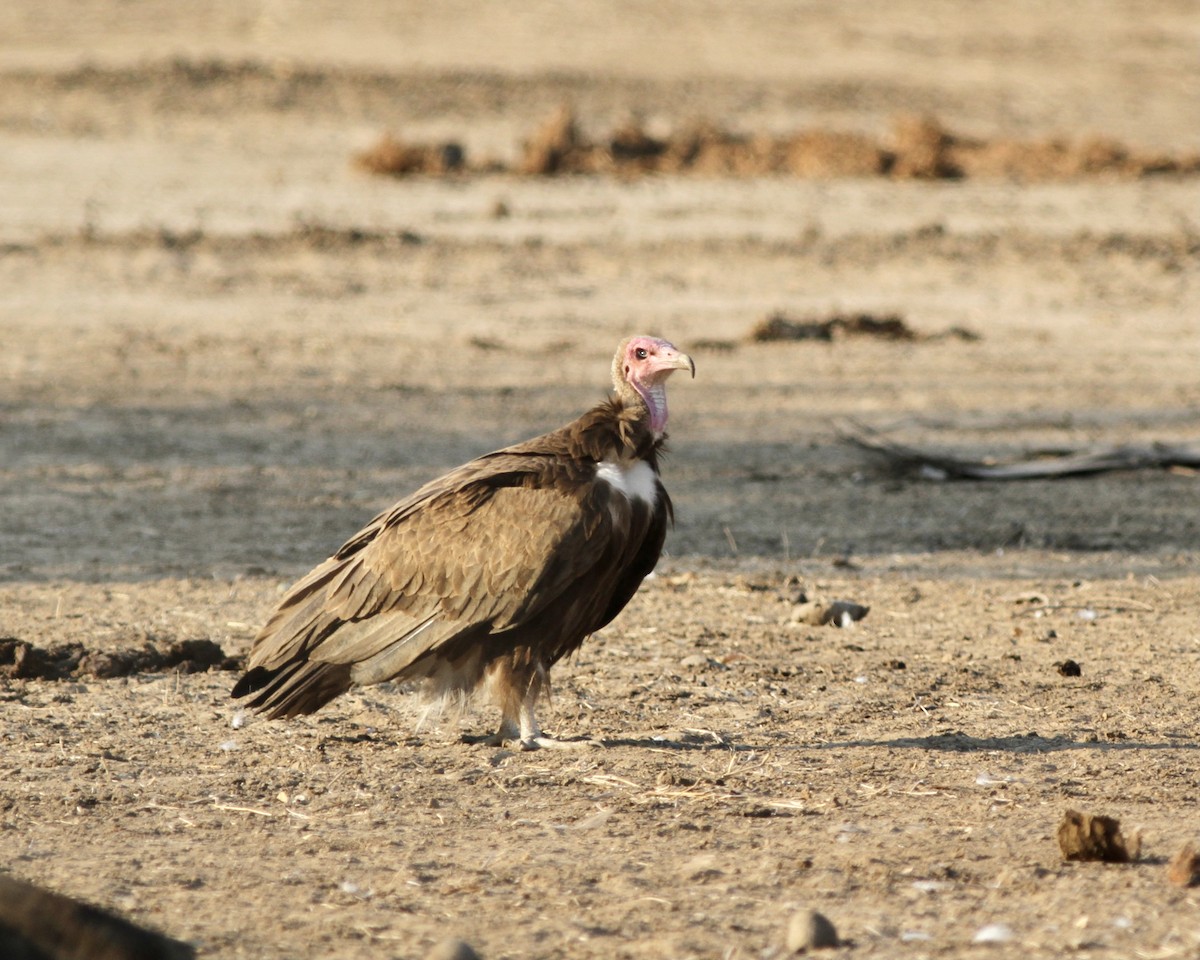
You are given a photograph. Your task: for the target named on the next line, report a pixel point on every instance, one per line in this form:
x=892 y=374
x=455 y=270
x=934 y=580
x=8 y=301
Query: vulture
x=486 y=577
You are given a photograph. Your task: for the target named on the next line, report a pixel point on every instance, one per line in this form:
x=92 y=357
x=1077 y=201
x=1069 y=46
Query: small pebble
x=453 y=949
x=810 y=930
x=993 y=933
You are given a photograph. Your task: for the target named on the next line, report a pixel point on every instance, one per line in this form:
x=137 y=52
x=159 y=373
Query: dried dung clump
x=921 y=150
x=1058 y=159
x=394 y=158
x=819 y=613
x=452 y=949
x=1083 y=836
x=1184 y=868
x=556 y=147
x=917 y=148
x=823 y=154
x=20 y=660
x=779 y=327
x=810 y=930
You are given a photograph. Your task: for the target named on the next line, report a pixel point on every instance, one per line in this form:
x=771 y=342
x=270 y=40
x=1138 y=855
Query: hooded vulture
x=486 y=577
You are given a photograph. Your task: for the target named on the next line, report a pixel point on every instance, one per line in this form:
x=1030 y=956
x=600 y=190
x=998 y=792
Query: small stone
x=700 y=868
x=810 y=930
x=993 y=933
x=1184 y=868
x=452 y=949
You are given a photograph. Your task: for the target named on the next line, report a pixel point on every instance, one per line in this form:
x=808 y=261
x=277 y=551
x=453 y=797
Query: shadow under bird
x=486 y=577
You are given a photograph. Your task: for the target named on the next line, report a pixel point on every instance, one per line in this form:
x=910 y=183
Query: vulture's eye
x=641 y=353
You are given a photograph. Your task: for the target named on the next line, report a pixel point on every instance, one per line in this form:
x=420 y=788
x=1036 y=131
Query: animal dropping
x=810 y=930
x=819 y=613
x=1184 y=868
x=452 y=949
x=1082 y=836
x=486 y=577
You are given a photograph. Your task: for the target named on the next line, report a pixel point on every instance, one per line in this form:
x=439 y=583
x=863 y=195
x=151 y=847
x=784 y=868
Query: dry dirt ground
x=224 y=348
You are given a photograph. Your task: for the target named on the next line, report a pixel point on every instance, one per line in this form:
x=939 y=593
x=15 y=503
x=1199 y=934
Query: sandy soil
x=224 y=348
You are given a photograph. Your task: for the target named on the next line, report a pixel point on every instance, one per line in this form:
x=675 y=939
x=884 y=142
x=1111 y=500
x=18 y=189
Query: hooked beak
x=674 y=360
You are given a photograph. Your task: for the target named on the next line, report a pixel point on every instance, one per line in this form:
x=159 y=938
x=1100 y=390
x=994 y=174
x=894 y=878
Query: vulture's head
x=640 y=371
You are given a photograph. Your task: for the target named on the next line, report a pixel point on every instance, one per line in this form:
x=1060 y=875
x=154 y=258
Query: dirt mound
x=20 y=660
x=917 y=148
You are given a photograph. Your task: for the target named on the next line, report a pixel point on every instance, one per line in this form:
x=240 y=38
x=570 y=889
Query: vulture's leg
x=516 y=682
x=532 y=737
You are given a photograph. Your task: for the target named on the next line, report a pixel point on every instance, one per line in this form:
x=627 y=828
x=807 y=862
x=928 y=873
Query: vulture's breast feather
x=636 y=480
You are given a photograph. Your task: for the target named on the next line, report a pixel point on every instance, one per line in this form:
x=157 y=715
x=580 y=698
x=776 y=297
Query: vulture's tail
x=303 y=686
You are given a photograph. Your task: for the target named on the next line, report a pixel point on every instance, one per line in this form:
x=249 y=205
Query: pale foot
x=543 y=742
x=523 y=731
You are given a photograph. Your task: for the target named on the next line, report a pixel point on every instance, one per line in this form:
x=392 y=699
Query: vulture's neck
x=644 y=402
x=616 y=430
x=655 y=400
x=640 y=420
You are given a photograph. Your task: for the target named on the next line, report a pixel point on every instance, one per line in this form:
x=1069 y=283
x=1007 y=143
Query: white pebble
x=993 y=933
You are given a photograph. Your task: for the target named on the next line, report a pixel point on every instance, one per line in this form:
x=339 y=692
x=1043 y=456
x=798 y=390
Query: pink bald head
x=644 y=363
